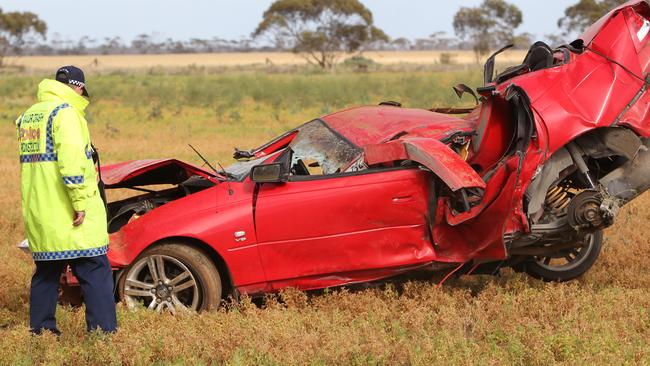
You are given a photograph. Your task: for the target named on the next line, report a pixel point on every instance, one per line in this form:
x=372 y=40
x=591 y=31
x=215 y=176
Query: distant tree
x=523 y=41
x=554 y=40
x=243 y=44
x=441 y=41
x=423 y=44
x=112 y=46
x=219 y=44
x=16 y=28
x=143 y=43
x=317 y=29
x=199 y=45
x=436 y=41
x=42 y=49
x=83 y=45
x=583 y=14
x=401 y=44
x=487 y=26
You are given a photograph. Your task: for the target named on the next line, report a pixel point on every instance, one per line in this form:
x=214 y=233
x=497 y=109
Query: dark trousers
x=96 y=280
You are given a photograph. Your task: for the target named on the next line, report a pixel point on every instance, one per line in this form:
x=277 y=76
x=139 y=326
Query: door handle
x=402 y=199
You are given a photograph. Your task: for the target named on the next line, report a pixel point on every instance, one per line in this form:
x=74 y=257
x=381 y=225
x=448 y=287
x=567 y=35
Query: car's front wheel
x=171 y=277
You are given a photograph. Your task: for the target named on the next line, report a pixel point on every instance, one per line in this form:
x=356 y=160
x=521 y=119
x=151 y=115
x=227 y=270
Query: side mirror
x=268 y=173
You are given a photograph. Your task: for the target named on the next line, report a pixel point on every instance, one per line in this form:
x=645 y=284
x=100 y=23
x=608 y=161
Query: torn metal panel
x=434 y=155
x=150 y=172
x=592 y=90
x=384 y=153
x=444 y=163
x=592 y=31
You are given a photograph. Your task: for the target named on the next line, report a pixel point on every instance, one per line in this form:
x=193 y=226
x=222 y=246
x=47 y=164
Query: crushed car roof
x=375 y=124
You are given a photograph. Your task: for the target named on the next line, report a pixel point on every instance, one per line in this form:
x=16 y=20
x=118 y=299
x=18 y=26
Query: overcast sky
x=238 y=18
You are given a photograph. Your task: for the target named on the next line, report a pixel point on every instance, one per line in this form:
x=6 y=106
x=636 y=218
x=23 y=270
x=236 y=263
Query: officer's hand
x=78 y=218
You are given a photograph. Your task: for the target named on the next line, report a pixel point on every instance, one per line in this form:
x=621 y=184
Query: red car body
x=313 y=232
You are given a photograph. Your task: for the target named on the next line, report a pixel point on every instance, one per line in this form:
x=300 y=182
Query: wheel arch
x=595 y=143
x=227 y=284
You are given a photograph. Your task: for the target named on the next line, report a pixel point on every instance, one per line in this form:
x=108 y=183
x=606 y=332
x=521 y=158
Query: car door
x=329 y=227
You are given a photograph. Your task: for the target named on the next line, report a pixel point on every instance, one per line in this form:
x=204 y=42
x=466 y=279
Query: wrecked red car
x=527 y=179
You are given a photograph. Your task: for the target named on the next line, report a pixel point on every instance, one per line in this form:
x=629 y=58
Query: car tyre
x=171 y=277
x=581 y=260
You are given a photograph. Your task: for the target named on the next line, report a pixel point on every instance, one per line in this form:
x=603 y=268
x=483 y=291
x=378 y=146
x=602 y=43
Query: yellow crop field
x=134 y=62
x=602 y=318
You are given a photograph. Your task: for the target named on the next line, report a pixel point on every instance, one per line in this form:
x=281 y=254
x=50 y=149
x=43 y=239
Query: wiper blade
x=202 y=158
x=222 y=174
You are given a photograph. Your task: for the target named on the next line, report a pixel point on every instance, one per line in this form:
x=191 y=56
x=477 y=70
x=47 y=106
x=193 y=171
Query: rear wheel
x=567 y=264
x=171 y=277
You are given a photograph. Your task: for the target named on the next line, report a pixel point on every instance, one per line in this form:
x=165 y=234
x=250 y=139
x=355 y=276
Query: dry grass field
x=107 y=63
x=603 y=318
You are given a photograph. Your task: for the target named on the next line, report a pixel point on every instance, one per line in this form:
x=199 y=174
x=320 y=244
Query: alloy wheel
x=160 y=283
x=567 y=259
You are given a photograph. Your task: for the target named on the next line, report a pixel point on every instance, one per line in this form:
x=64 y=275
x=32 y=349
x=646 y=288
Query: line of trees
x=141 y=44
x=315 y=29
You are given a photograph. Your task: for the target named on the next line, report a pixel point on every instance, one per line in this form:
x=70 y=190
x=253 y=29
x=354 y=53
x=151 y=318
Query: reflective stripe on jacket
x=58 y=177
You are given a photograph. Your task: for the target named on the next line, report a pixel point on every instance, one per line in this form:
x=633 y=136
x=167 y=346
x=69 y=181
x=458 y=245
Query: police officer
x=65 y=218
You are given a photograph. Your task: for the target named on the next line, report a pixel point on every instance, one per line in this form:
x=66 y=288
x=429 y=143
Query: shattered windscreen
x=241 y=169
x=317 y=150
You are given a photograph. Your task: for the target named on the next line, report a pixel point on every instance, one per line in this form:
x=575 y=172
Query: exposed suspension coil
x=557 y=199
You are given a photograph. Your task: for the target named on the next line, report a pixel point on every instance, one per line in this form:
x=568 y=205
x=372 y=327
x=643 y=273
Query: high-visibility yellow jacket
x=58 y=177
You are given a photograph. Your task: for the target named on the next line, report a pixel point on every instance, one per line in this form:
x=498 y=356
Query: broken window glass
x=241 y=169
x=317 y=150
